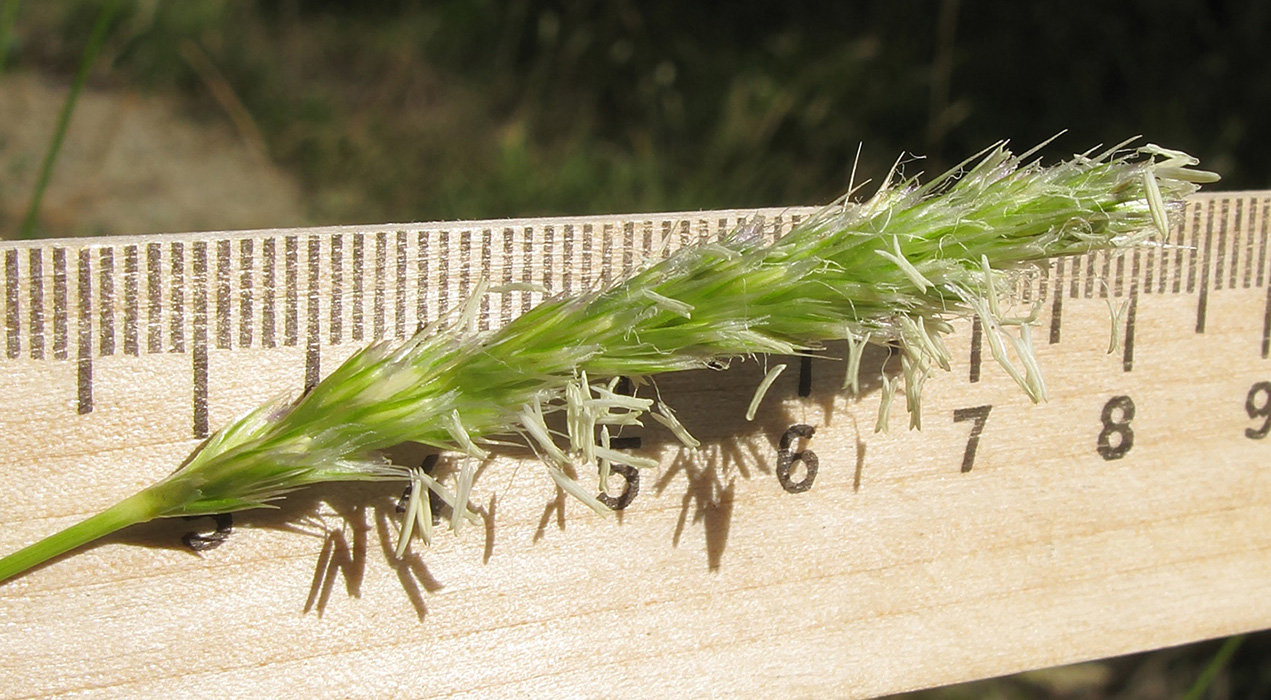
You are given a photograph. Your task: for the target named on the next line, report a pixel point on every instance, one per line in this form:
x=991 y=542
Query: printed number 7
x=979 y=414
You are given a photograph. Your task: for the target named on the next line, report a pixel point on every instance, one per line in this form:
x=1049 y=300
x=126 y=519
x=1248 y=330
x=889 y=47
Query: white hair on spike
x=573 y=488
x=666 y=417
x=1114 y=338
x=454 y=426
x=855 y=350
x=462 y=490
x=896 y=256
x=916 y=372
x=763 y=389
x=412 y=504
x=472 y=307
x=604 y=465
x=674 y=306
x=886 y=396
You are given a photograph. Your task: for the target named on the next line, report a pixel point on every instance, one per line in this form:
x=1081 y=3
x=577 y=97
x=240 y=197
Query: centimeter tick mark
x=1202 y=303
x=1127 y=357
x=977 y=340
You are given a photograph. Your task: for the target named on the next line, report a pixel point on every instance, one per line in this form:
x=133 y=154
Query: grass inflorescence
x=893 y=269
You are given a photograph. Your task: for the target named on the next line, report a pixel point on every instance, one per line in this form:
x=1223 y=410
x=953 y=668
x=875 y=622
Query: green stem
x=1225 y=652
x=8 y=12
x=95 y=41
x=139 y=508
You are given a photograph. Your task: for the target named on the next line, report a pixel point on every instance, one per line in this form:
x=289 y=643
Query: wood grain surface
x=1075 y=531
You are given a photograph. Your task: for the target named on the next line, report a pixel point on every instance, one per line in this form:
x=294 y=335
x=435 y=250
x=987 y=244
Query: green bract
x=893 y=269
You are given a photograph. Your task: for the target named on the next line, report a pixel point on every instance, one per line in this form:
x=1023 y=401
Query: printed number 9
x=1259 y=409
x=1119 y=427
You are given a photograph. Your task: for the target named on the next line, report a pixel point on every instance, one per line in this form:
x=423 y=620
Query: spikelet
x=889 y=271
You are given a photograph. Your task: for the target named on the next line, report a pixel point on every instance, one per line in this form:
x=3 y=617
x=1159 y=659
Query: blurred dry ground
x=134 y=163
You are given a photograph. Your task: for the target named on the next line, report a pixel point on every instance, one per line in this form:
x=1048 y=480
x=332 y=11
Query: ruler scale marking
x=487 y=262
x=1220 y=247
x=36 y=304
x=1262 y=240
x=337 y=289
x=443 y=273
x=359 y=290
x=268 y=292
x=12 y=311
x=628 y=248
x=465 y=270
x=246 y=292
x=567 y=259
x=1127 y=345
x=154 y=298
x=84 y=332
x=199 y=340
x=313 y=314
x=223 y=291
x=546 y=255
x=1057 y=304
x=378 y=303
x=1241 y=237
x=291 y=291
x=421 y=266
x=606 y=252
x=1202 y=301
x=1192 y=246
x=505 y=304
x=399 y=288
x=587 y=275
x=132 y=301
x=59 y=304
x=106 y=301
x=527 y=266
x=977 y=338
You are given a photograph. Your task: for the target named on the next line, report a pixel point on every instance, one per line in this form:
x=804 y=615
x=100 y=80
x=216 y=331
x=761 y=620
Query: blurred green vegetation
x=409 y=110
x=401 y=109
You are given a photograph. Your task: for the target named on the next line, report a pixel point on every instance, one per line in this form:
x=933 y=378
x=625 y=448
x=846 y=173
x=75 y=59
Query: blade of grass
x=91 y=49
x=8 y=13
x=1220 y=660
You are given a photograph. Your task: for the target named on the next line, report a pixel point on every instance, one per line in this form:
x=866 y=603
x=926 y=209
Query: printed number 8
x=1119 y=427
x=1259 y=411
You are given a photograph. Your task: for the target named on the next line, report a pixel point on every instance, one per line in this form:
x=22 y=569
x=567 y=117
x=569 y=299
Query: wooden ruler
x=1131 y=511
